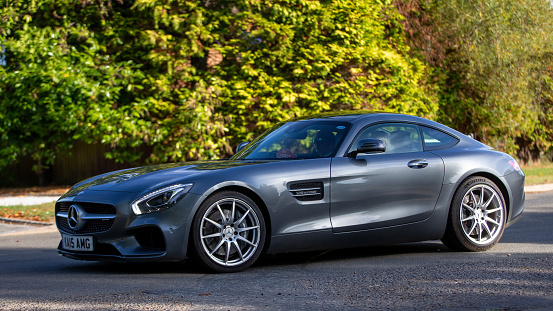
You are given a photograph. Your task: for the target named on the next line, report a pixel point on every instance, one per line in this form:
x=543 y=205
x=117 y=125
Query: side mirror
x=369 y=145
x=241 y=146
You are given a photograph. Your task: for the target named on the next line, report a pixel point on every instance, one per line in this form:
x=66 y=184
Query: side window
x=398 y=137
x=434 y=139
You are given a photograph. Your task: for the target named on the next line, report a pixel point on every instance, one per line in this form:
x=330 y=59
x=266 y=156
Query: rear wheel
x=476 y=217
x=228 y=232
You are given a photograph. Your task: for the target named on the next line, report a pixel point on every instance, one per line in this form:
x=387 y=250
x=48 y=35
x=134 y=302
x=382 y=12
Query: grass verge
x=40 y=212
x=538 y=174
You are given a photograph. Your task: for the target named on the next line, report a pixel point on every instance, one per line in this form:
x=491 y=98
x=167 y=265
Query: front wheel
x=228 y=232
x=476 y=217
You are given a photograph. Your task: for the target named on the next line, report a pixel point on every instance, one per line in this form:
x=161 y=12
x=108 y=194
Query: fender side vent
x=307 y=191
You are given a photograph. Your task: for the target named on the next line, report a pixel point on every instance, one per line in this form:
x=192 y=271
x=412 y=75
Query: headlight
x=160 y=199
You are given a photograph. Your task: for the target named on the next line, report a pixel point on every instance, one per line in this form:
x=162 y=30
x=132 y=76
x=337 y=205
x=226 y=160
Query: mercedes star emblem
x=74 y=217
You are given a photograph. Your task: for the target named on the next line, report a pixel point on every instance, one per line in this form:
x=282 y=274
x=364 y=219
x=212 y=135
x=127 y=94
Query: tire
x=228 y=232
x=476 y=217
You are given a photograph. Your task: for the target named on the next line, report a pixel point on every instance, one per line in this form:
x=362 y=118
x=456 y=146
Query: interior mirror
x=241 y=146
x=369 y=145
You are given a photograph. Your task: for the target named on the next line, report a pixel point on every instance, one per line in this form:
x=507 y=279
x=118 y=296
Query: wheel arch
x=497 y=181
x=254 y=197
x=257 y=199
x=454 y=237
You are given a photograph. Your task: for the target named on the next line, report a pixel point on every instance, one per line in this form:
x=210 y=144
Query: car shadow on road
x=191 y=266
x=353 y=253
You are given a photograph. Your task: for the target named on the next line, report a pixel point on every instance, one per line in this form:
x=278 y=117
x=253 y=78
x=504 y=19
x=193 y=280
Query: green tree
x=192 y=78
x=261 y=62
x=493 y=58
x=55 y=86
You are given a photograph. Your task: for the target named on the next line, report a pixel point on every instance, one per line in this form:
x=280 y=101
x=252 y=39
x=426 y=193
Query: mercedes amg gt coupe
x=327 y=182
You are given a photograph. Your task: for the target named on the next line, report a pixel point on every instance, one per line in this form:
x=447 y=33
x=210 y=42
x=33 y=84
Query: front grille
x=91 y=208
x=91 y=226
x=307 y=191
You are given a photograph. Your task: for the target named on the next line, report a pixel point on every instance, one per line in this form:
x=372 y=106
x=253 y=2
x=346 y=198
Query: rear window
x=434 y=139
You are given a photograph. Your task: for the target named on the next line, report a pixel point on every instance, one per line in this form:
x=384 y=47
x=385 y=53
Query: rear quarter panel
x=461 y=163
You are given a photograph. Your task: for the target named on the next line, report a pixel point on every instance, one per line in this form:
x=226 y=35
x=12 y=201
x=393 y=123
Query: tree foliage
x=189 y=79
x=57 y=86
x=494 y=59
x=192 y=78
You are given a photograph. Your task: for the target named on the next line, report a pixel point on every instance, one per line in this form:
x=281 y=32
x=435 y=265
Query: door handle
x=417 y=164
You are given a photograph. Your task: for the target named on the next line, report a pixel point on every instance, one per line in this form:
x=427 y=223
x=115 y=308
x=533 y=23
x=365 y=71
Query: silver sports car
x=327 y=182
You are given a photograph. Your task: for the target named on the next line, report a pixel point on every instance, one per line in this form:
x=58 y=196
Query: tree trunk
x=39 y=171
x=527 y=150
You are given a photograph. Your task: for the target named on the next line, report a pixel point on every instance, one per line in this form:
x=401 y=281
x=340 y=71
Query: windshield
x=297 y=140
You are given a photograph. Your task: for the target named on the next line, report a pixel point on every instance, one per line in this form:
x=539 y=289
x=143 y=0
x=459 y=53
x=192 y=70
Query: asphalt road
x=517 y=274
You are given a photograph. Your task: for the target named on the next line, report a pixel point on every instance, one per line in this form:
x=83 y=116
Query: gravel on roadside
x=31 y=195
x=27 y=200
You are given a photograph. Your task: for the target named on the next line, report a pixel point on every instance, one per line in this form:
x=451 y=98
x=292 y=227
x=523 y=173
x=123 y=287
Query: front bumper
x=158 y=236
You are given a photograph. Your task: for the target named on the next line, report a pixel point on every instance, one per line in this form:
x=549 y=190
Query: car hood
x=149 y=177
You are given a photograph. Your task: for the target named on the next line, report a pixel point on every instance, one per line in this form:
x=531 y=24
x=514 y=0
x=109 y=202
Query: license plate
x=77 y=243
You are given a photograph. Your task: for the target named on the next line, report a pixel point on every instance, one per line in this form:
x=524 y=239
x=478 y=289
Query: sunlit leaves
x=497 y=84
x=189 y=79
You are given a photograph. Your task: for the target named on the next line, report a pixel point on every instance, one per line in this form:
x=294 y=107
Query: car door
x=395 y=187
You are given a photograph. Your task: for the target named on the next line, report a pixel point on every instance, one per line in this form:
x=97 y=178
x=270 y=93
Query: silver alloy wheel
x=230 y=232
x=481 y=214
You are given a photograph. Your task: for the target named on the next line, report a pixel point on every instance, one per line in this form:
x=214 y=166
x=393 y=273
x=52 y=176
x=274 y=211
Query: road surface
x=517 y=274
